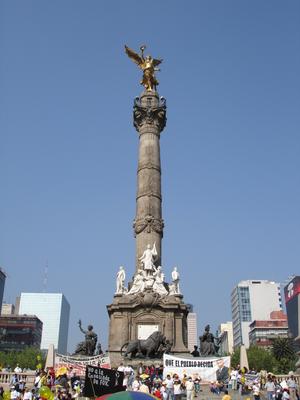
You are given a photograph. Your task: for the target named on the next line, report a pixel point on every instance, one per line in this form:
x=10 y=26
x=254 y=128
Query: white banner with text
x=78 y=365
x=209 y=369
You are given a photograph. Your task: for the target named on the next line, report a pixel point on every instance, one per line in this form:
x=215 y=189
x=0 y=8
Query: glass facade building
x=252 y=300
x=53 y=310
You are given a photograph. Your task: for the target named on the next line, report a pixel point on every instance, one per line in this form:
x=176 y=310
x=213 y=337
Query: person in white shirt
x=233 y=378
x=18 y=370
x=189 y=385
x=177 y=390
x=169 y=387
x=270 y=388
x=144 y=388
x=121 y=367
x=285 y=394
x=129 y=372
x=14 y=394
x=135 y=385
x=292 y=386
x=163 y=391
x=27 y=394
x=37 y=381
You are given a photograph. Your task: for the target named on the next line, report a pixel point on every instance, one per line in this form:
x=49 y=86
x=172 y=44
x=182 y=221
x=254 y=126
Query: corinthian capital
x=149 y=115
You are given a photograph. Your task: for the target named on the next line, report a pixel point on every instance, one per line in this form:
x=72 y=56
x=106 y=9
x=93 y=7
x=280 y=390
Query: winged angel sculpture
x=148 y=66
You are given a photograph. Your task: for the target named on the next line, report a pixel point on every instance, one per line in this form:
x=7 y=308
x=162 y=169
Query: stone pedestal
x=128 y=314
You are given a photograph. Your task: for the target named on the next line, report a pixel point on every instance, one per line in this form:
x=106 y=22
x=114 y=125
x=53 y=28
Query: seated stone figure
x=158 y=285
x=208 y=347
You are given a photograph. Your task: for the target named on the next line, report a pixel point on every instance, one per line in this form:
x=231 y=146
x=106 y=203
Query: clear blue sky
x=230 y=151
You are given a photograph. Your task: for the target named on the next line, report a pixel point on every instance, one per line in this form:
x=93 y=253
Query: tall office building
x=292 y=301
x=2 y=284
x=192 y=328
x=252 y=300
x=226 y=338
x=54 y=311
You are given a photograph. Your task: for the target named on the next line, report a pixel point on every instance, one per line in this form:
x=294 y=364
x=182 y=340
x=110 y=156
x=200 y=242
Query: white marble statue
x=172 y=289
x=148 y=258
x=138 y=284
x=158 y=285
x=120 y=281
x=175 y=280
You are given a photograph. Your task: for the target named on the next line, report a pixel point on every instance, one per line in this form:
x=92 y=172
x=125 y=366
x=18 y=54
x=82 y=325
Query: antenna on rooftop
x=45 y=280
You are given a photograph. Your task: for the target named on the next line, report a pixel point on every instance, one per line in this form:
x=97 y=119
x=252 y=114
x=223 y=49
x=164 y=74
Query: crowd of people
x=149 y=379
x=63 y=384
x=259 y=385
x=47 y=385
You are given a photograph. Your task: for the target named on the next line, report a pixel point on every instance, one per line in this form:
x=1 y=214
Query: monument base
x=135 y=317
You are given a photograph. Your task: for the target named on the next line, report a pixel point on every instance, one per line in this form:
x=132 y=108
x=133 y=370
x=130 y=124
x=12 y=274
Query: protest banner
x=78 y=365
x=100 y=381
x=197 y=367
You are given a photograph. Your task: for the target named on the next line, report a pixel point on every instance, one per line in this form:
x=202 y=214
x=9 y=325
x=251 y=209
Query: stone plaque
x=144 y=331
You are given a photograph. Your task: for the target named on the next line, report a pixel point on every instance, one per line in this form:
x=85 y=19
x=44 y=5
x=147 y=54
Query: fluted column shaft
x=149 y=120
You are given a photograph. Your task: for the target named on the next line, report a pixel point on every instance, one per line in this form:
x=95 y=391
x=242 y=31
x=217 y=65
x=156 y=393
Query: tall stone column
x=149 y=115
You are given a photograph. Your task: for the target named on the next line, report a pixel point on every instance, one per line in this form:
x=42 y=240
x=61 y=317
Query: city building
x=192 y=329
x=292 y=302
x=226 y=338
x=7 y=309
x=2 y=285
x=54 y=311
x=252 y=300
x=263 y=332
x=20 y=331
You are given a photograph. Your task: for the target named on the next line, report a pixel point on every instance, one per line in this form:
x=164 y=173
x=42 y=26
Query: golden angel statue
x=148 y=66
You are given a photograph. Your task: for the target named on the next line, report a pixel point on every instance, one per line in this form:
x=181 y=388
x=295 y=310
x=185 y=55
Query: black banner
x=99 y=381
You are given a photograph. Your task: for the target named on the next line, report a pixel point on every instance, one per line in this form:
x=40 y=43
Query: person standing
x=177 y=390
x=234 y=378
x=169 y=387
x=18 y=369
x=292 y=386
x=27 y=394
x=270 y=388
x=256 y=392
x=189 y=386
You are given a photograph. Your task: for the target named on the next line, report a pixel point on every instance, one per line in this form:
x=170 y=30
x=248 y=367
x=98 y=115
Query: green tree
x=283 y=350
x=258 y=359
x=27 y=358
x=235 y=357
x=261 y=359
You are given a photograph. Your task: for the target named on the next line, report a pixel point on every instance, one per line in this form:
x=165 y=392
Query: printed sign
x=78 y=366
x=292 y=289
x=208 y=369
x=100 y=381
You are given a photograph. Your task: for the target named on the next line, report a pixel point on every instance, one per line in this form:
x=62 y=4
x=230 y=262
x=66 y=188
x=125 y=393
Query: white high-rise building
x=226 y=337
x=53 y=310
x=192 y=329
x=252 y=300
